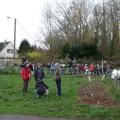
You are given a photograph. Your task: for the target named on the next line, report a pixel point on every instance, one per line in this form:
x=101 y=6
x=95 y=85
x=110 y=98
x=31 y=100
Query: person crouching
x=41 y=89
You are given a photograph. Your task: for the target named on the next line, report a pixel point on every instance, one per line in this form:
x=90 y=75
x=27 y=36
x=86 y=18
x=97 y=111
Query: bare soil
x=96 y=94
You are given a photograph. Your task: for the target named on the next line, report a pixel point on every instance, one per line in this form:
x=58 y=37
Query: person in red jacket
x=92 y=68
x=25 y=73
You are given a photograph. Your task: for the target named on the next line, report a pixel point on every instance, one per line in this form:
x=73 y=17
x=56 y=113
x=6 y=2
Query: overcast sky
x=28 y=14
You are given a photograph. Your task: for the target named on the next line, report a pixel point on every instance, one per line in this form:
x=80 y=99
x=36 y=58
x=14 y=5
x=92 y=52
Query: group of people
x=41 y=89
x=94 y=69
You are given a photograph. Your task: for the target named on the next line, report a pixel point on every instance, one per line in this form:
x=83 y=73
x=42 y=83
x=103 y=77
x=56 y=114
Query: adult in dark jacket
x=39 y=73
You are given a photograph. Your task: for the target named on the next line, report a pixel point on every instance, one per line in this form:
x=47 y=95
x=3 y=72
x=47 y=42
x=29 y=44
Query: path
x=28 y=117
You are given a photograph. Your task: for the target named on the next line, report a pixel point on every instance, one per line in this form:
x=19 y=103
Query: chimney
x=5 y=43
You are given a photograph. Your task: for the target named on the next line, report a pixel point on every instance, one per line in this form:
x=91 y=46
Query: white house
x=6 y=54
x=7 y=50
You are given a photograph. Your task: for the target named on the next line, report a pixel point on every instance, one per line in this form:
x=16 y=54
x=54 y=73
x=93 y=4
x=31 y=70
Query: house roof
x=3 y=45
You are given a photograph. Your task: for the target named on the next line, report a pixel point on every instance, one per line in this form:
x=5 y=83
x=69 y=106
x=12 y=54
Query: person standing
x=52 y=67
x=96 y=70
x=38 y=74
x=70 y=64
x=58 y=78
x=25 y=73
x=92 y=68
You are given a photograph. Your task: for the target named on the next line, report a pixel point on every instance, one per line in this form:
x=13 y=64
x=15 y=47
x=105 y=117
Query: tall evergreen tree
x=24 y=47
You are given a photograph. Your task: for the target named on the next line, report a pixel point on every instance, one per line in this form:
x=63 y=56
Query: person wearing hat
x=25 y=73
x=58 y=78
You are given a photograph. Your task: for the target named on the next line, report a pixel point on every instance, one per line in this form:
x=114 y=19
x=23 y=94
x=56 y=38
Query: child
x=41 y=89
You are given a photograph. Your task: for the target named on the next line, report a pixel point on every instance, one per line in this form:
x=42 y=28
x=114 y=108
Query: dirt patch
x=96 y=94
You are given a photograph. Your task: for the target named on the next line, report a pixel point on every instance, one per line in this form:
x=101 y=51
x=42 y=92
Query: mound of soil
x=96 y=94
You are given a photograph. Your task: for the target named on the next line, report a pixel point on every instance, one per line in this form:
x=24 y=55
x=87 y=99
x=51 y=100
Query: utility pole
x=14 y=51
x=14 y=38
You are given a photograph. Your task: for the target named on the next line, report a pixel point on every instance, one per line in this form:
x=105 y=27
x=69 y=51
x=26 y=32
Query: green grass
x=13 y=101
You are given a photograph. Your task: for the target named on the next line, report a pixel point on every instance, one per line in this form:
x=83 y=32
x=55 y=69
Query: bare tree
x=114 y=13
x=75 y=23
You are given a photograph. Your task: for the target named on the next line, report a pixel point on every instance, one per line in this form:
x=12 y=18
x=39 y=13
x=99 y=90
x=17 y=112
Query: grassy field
x=13 y=101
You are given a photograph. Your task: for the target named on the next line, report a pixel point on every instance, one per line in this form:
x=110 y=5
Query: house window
x=9 y=51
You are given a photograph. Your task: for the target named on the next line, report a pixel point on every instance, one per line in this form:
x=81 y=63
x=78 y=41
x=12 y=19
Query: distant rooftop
x=3 y=45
